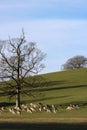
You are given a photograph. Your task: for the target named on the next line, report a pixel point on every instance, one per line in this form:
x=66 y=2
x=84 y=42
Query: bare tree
x=75 y=63
x=18 y=59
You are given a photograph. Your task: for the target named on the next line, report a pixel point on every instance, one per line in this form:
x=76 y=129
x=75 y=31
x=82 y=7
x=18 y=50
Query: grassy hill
x=59 y=88
x=66 y=87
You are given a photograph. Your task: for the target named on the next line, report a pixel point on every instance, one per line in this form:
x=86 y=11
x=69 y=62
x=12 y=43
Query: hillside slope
x=59 y=88
x=65 y=87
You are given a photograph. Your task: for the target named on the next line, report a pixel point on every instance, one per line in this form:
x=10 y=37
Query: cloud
x=49 y=32
x=33 y=9
x=59 y=27
x=48 y=28
x=41 y=3
x=60 y=39
x=27 y=3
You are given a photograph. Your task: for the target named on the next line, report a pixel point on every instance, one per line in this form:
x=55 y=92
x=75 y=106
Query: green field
x=61 y=89
x=58 y=88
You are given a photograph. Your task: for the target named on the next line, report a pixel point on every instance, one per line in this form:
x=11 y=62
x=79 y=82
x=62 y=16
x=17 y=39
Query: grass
x=61 y=89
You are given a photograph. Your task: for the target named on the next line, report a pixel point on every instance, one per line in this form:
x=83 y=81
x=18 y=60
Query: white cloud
x=60 y=39
x=24 y=9
x=48 y=29
x=43 y=3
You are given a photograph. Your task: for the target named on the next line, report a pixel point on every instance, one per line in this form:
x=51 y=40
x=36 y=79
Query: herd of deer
x=32 y=107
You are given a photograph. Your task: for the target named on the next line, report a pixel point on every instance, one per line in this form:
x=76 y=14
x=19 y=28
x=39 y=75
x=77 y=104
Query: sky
x=59 y=27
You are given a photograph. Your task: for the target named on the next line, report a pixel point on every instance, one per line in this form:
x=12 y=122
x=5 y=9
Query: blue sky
x=59 y=27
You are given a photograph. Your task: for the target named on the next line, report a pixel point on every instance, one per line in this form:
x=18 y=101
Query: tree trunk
x=18 y=98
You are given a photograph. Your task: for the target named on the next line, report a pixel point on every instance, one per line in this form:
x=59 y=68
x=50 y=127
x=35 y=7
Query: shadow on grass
x=6 y=104
x=42 y=126
x=45 y=98
x=60 y=88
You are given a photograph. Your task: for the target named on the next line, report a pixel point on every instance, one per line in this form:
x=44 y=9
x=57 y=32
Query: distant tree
x=18 y=59
x=75 y=63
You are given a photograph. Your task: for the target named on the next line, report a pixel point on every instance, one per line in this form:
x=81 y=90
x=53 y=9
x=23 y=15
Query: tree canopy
x=75 y=63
